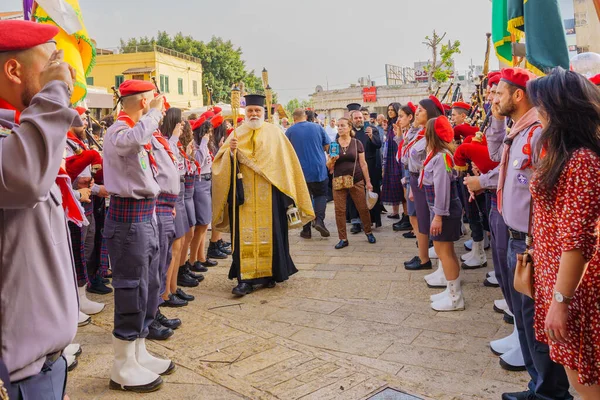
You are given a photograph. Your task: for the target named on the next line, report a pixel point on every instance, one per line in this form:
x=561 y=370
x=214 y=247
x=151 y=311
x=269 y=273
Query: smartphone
x=334 y=149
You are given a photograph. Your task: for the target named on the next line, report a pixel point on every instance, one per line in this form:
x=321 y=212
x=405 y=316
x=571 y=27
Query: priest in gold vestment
x=269 y=180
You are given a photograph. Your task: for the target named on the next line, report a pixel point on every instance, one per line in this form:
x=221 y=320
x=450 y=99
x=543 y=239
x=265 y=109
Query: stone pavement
x=351 y=323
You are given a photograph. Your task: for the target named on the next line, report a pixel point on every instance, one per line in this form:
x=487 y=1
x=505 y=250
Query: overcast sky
x=302 y=43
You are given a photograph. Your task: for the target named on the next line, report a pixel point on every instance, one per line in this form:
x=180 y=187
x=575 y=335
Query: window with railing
x=195 y=87
x=118 y=80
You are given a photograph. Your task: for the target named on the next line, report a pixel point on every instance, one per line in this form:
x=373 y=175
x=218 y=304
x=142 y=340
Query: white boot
x=72 y=350
x=84 y=319
x=439 y=296
x=491 y=280
x=71 y=361
x=437 y=279
x=127 y=373
x=147 y=360
x=468 y=255
x=513 y=360
x=500 y=306
x=504 y=345
x=454 y=301
x=86 y=305
x=478 y=259
x=432 y=253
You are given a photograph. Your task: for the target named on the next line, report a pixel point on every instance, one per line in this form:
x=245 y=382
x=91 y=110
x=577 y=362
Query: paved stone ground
x=351 y=323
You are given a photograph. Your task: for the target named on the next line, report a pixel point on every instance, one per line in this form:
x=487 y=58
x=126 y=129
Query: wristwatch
x=561 y=298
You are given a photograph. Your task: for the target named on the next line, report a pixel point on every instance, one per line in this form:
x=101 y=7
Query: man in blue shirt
x=311 y=142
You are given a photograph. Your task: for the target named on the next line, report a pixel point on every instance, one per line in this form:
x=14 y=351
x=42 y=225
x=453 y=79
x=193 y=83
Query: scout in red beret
x=22 y=35
x=462 y=105
x=412 y=106
x=217 y=121
x=517 y=77
x=134 y=86
x=438 y=104
x=443 y=129
x=198 y=123
x=494 y=78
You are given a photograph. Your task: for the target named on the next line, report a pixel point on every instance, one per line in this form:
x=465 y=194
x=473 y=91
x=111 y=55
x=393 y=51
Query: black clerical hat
x=255 y=100
x=373 y=115
x=353 y=107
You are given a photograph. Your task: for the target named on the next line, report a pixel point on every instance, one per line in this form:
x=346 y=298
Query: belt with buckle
x=516 y=235
x=206 y=177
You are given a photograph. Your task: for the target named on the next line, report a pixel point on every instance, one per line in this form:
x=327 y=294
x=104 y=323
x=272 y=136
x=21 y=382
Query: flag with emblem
x=500 y=33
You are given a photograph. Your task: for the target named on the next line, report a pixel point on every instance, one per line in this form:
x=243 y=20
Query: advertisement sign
x=369 y=94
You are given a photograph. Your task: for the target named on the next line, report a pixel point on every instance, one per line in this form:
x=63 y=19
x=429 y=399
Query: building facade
x=587 y=25
x=178 y=75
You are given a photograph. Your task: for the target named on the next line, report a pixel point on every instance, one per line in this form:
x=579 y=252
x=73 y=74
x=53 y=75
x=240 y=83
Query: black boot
x=215 y=252
x=156 y=331
x=171 y=323
x=242 y=289
x=321 y=228
x=183 y=295
x=198 y=267
x=174 y=301
x=187 y=271
x=185 y=280
x=306 y=232
x=403 y=224
x=224 y=246
x=97 y=286
x=356 y=228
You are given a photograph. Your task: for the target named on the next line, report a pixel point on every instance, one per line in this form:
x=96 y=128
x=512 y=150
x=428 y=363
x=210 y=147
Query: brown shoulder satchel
x=345 y=181
x=524 y=269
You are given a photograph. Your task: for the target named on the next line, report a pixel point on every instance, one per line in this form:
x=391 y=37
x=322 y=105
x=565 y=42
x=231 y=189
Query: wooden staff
x=235 y=109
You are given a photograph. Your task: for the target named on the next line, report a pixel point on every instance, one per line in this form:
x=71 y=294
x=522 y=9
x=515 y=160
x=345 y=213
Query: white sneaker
x=506 y=344
x=437 y=279
x=84 y=319
x=127 y=373
x=432 y=253
x=148 y=361
x=500 y=306
x=71 y=361
x=454 y=301
x=86 y=305
x=73 y=349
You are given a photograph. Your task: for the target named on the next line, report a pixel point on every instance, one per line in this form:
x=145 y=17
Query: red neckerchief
x=420 y=135
x=161 y=139
x=71 y=206
x=447 y=161
x=148 y=147
x=5 y=105
x=188 y=163
x=74 y=138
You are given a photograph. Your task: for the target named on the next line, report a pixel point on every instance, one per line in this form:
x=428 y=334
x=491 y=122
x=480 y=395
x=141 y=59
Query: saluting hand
x=57 y=70
x=158 y=102
x=178 y=130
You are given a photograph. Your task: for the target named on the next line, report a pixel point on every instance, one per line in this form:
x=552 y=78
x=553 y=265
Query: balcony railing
x=149 y=48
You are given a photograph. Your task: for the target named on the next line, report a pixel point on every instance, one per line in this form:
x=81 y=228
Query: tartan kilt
x=78 y=246
x=392 y=191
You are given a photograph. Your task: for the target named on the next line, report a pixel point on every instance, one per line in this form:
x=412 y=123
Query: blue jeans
x=548 y=379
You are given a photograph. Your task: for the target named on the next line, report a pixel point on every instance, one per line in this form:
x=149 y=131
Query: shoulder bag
x=345 y=181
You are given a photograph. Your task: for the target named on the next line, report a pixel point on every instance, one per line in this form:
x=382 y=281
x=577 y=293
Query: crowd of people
x=137 y=215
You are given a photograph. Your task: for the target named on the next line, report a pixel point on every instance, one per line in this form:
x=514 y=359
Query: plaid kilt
x=189 y=181
x=493 y=201
x=88 y=208
x=430 y=193
x=104 y=261
x=392 y=191
x=78 y=246
x=125 y=209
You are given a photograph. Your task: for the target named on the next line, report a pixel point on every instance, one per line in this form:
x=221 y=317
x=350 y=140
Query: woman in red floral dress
x=566 y=195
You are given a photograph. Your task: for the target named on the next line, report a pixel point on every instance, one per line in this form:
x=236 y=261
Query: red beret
x=494 y=78
x=446 y=108
x=207 y=115
x=517 y=77
x=80 y=110
x=198 y=123
x=461 y=104
x=135 y=86
x=595 y=80
x=22 y=35
x=437 y=103
x=464 y=131
x=412 y=106
x=474 y=151
x=217 y=109
x=216 y=121
x=443 y=129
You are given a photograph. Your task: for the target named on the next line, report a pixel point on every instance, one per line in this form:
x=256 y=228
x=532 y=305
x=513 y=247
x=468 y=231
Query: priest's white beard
x=254 y=123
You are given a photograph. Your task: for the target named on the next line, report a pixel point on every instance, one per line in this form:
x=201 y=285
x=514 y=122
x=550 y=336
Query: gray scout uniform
x=130 y=229
x=416 y=156
x=181 y=219
x=39 y=309
x=168 y=180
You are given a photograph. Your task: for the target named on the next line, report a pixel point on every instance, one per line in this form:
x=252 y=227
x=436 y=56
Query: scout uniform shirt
x=128 y=170
x=168 y=175
x=39 y=309
x=516 y=195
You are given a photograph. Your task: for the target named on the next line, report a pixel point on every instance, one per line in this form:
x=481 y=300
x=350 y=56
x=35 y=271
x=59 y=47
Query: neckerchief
x=71 y=206
x=148 y=147
x=448 y=162
x=5 y=105
x=186 y=159
x=72 y=137
x=161 y=139
x=420 y=135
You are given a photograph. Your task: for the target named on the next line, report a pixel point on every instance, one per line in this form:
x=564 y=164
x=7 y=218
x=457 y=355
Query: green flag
x=540 y=22
x=500 y=34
